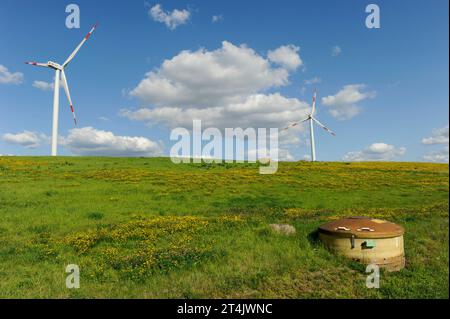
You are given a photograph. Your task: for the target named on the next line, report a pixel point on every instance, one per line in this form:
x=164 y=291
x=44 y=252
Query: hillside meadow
x=148 y=228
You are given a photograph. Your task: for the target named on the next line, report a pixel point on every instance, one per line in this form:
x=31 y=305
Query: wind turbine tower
x=312 y=120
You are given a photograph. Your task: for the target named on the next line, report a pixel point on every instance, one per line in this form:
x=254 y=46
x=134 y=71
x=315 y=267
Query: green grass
x=147 y=228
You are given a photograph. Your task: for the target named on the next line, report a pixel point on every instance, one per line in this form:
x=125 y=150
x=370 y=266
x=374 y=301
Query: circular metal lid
x=362 y=227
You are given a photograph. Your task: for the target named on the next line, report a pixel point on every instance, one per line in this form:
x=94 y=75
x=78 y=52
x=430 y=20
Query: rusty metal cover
x=362 y=227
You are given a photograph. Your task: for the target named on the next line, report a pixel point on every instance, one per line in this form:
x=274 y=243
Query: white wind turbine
x=312 y=119
x=59 y=73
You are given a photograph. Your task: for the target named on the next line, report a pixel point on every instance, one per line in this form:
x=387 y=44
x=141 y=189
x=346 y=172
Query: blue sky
x=398 y=74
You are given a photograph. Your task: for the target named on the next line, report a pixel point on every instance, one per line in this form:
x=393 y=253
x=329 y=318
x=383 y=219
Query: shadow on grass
x=313 y=238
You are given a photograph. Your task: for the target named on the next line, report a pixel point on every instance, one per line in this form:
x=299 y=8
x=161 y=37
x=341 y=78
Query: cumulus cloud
x=376 y=152
x=7 y=77
x=343 y=105
x=336 y=50
x=47 y=86
x=285 y=155
x=209 y=78
x=256 y=111
x=314 y=80
x=439 y=156
x=223 y=88
x=26 y=139
x=217 y=18
x=171 y=19
x=438 y=136
x=44 y=86
x=286 y=56
x=306 y=157
x=89 y=141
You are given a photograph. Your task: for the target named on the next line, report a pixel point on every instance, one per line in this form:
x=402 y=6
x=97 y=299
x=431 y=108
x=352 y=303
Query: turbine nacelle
x=54 y=65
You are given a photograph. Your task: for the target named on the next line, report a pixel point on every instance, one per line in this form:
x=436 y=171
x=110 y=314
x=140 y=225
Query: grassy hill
x=147 y=228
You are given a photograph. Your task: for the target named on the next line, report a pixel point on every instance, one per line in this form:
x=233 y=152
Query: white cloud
x=286 y=56
x=217 y=18
x=285 y=155
x=440 y=156
x=47 y=86
x=336 y=50
x=343 y=105
x=314 y=80
x=438 y=136
x=376 y=152
x=306 y=157
x=223 y=88
x=26 y=138
x=209 y=78
x=6 y=77
x=171 y=19
x=44 y=86
x=258 y=110
x=89 y=141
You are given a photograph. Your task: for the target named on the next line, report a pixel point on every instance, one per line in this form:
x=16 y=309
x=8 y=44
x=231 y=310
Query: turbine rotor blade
x=313 y=110
x=66 y=89
x=323 y=126
x=295 y=124
x=44 y=65
x=72 y=55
